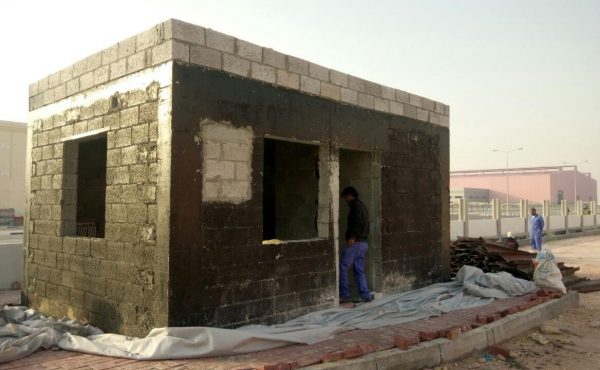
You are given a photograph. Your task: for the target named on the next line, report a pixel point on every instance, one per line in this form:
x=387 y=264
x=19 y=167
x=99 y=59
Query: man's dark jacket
x=358 y=221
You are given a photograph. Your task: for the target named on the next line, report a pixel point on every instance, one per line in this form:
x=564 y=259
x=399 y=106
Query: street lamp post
x=506 y=172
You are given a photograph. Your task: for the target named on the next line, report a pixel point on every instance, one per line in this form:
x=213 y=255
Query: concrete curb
x=435 y=352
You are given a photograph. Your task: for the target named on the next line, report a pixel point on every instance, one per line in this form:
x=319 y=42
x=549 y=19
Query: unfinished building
x=185 y=177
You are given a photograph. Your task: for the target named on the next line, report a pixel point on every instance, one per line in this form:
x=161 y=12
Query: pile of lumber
x=495 y=257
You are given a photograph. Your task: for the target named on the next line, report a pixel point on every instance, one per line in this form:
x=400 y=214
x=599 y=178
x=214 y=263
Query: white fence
x=495 y=219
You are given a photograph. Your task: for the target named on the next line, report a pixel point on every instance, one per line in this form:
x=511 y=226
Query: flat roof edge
x=185 y=42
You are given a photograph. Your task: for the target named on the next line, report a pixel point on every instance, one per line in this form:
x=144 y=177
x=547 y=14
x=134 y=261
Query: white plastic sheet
x=27 y=330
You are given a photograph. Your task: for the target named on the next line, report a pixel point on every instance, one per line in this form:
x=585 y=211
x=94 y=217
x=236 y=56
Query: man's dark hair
x=349 y=190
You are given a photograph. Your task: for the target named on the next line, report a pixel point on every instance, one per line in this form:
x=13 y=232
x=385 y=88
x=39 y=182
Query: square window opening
x=84 y=187
x=291 y=177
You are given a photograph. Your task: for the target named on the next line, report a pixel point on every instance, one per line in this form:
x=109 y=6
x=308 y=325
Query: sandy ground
x=577 y=347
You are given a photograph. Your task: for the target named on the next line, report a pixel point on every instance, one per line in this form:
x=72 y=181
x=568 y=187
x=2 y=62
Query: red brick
x=525 y=306
x=542 y=293
x=494 y=317
x=427 y=335
x=513 y=310
x=367 y=348
x=556 y=295
x=497 y=350
x=465 y=327
x=353 y=352
x=481 y=319
x=280 y=366
x=401 y=342
x=453 y=333
x=332 y=356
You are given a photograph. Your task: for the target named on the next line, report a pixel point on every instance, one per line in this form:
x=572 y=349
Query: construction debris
x=495 y=257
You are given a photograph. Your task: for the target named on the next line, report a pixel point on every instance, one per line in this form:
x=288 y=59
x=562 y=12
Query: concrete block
x=211 y=150
x=243 y=171
x=48 y=96
x=43 y=85
x=444 y=121
x=110 y=55
x=297 y=65
x=236 y=152
x=33 y=89
x=426 y=354
x=428 y=104
x=127 y=47
x=396 y=108
x=382 y=105
x=205 y=57
x=422 y=115
x=373 y=88
x=248 y=50
x=180 y=51
x=236 y=65
x=349 y=96
x=263 y=72
x=415 y=100
x=439 y=108
x=175 y=29
x=149 y=38
x=79 y=68
x=234 y=190
x=338 y=78
x=211 y=191
x=220 y=41
x=60 y=92
x=54 y=80
x=502 y=330
x=410 y=111
x=136 y=62
x=318 y=72
x=310 y=85
x=288 y=79
x=118 y=69
x=218 y=169
x=101 y=75
x=273 y=58
x=366 y=101
x=356 y=84
x=474 y=340
x=94 y=61
x=330 y=91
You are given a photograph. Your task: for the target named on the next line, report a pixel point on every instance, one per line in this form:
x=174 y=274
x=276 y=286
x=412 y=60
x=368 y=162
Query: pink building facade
x=534 y=184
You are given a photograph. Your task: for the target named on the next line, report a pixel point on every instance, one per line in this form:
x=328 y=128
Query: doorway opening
x=361 y=170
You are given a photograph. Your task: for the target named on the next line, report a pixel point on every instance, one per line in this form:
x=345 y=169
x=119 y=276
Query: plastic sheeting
x=25 y=330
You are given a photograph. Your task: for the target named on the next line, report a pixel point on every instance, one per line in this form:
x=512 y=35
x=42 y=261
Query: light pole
x=507 y=188
x=575 y=178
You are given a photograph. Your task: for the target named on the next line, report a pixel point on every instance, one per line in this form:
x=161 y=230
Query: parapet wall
x=193 y=44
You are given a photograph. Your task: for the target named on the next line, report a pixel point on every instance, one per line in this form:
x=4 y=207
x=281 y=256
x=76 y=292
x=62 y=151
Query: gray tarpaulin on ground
x=23 y=330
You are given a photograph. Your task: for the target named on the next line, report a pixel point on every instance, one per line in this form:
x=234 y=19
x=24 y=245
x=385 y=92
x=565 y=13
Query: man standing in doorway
x=536 y=226
x=355 y=250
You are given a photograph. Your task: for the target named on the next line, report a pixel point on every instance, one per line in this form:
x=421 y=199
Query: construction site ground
x=574 y=348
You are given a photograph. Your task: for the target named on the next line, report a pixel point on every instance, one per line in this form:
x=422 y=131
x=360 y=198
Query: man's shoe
x=365 y=300
x=345 y=300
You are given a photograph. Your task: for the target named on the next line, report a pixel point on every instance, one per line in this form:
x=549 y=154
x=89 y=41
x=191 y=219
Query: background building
x=470 y=194
x=535 y=184
x=13 y=147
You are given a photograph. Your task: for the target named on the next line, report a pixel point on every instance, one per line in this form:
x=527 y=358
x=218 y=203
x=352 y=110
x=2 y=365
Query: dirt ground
x=577 y=347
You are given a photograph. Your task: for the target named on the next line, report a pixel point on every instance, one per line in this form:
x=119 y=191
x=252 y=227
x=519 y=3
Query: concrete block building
x=186 y=177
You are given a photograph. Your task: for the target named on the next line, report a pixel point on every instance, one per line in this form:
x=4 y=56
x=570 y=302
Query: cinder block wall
x=185 y=248
x=110 y=281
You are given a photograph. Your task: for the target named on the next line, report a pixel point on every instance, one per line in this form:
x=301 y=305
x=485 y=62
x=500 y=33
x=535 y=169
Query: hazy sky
x=515 y=73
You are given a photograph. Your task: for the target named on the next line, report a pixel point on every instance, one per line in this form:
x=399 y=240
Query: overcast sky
x=515 y=73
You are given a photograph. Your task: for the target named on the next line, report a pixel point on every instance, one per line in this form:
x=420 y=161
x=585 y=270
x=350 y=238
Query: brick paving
x=350 y=344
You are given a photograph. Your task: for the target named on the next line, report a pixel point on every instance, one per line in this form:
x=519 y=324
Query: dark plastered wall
x=220 y=274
